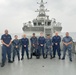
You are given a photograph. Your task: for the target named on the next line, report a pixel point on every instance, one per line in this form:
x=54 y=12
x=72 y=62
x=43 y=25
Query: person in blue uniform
x=56 y=45
x=33 y=40
x=16 y=47
x=48 y=42
x=6 y=47
x=41 y=43
x=25 y=43
x=67 y=45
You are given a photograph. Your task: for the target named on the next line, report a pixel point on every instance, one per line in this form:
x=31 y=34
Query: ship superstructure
x=42 y=23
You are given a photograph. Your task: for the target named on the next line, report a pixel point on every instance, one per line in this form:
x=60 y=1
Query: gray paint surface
x=40 y=67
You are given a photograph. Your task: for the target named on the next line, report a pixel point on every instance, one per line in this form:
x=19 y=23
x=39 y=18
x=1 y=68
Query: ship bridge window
x=39 y=23
x=49 y=23
x=35 y=24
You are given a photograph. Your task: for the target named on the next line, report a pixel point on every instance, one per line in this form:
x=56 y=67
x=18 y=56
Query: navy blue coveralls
x=67 y=39
x=6 y=50
x=25 y=43
x=33 y=45
x=48 y=46
x=41 y=43
x=16 y=42
x=56 y=39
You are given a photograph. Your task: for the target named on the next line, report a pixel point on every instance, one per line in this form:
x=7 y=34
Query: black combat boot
x=3 y=64
x=51 y=57
x=13 y=59
x=46 y=56
x=22 y=58
x=27 y=56
x=59 y=57
x=71 y=60
x=31 y=56
x=9 y=61
x=63 y=58
x=37 y=57
x=18 y=58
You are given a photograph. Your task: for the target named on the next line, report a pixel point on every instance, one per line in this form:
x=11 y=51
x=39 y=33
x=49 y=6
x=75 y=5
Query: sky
x=13 y=13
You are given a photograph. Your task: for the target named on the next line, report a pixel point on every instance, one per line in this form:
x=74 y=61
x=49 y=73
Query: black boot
x=18 y=58
x=3 y=64
x=13 y=59
x=31 y=56
x=28 y=57
x=37 y=57
x=63 y=58
x=71 y=60
x=59 y=57
x=46 y=56
x=9 y=61
x=22 y=58
x=51 y=57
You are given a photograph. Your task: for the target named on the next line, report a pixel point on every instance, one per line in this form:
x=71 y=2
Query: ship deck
x=40 y=67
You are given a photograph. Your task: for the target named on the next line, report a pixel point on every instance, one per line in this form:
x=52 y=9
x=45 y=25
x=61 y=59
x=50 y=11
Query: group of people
x=39 y=46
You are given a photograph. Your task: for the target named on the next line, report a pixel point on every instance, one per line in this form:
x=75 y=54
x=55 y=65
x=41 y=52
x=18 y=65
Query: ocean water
x=72 y=34
x=62 y=34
